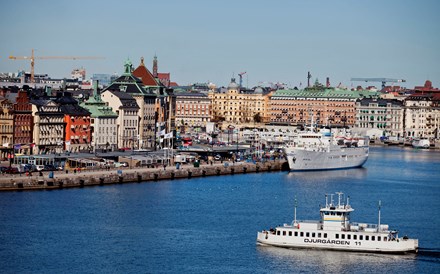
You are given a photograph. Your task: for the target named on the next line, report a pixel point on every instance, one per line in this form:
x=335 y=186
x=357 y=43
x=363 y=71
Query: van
x=39 y=167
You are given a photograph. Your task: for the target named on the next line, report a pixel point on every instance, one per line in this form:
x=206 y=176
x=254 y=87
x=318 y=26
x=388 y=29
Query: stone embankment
x=104 y=177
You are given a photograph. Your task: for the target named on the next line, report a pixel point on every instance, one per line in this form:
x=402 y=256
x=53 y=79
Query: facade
x=238 y=108
x=193 y=110
x=422 y=117
x=103 y=122
x=384 y=114
x=77 y=120
x=126 y=108
x=328 y=106
x=134 y=83
x=6 y=128
x=49 y=126
x=23 y=123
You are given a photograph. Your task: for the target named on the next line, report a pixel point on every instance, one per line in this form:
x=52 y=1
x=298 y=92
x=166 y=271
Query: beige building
x=193 y=110
x=235 y=107
x=422 y=117
x=6 y=128
x=125 y=106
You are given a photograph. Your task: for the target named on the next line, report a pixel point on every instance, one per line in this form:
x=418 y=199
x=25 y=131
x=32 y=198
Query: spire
x=142 y=62
x=128 y=67
x=155 y=66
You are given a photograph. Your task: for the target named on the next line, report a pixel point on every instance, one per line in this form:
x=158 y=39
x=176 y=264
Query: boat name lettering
x=321 y=241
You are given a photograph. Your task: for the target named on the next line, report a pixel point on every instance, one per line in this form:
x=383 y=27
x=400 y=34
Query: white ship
x=335 y=232
x=321 y=151
x=421 y=143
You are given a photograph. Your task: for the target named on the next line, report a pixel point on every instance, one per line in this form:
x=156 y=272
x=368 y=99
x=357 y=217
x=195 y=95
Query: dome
x=258 y=90
x=233 y=85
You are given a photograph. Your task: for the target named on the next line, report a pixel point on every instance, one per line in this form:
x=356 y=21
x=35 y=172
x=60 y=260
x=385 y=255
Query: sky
x=212 y=41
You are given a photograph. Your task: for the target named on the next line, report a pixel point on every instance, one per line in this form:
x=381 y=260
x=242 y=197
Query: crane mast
x=33 y=57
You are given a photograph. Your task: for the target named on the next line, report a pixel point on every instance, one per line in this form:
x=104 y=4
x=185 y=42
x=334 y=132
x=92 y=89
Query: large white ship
x=335 y=232
x=320 y=151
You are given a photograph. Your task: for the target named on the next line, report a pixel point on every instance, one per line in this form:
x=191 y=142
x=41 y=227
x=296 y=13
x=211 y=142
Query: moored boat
x=334 y=231
x=420 y=143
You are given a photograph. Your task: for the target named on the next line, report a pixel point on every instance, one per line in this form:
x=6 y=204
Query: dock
x=60 y=179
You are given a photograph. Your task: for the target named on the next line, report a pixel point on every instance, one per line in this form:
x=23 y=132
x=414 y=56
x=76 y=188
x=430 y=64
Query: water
x=209 y=225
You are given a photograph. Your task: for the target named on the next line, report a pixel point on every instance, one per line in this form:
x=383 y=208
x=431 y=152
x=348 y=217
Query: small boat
x=334 y=231
x=420 y=143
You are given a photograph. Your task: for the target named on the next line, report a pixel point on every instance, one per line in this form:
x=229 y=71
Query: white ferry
x=335 y=232
x=321 y=151
x=420 y=143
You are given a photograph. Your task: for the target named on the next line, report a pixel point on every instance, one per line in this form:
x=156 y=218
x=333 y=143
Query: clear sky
x=202 y=40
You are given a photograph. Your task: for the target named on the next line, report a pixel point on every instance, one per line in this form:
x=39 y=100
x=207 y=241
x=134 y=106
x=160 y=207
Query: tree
x=257 y=118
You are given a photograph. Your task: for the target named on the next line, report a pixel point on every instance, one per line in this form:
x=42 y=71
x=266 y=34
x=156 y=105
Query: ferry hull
x=395 y=247
x=343 y=158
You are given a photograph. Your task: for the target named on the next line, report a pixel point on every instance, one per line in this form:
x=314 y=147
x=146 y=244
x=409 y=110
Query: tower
x=155 y=66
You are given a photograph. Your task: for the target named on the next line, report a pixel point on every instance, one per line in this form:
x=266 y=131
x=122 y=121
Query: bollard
x=81 y=182
x=189 y=174
x=172 y=175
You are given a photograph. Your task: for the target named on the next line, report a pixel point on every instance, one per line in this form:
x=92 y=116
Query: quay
x=85 y=178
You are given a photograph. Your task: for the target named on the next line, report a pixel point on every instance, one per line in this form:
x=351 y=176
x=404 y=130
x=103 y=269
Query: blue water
x=209 y=225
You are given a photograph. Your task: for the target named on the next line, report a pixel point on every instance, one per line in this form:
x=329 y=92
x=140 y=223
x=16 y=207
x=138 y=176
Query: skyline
x=207 y=41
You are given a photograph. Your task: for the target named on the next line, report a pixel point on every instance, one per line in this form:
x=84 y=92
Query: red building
x=23 y=123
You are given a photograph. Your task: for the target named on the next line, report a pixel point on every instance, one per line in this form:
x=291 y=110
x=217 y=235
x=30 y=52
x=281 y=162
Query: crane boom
x=382 y=80
x=241 y=77
x=33 y=57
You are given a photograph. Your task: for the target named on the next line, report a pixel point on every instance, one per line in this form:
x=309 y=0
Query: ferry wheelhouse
x=334 y=231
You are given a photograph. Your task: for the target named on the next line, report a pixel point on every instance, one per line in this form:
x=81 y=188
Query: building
x=193 y=111
x=49 y=125
x=126 y=108
x=327 y=106
x=23 y=123
x=422 y=115
x=130 y=83
x=6 y=128
x=77 y=120
x=386 y=115
x=239 y=108
x=103 y=122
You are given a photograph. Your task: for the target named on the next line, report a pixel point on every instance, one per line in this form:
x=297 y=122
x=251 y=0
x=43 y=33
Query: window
x=290 y=233
x=319 y=235
x=278 y=232
x=307 y=234
x=313 y=235
x=296 y=233
x=373 y=238
x=337 y=236
x=378 y=238
x=367 y=238
x=355 y=237
x=343 y=236
x=361 y=237
x=301 y=234
x=284 y=233
x=348 y=237
x=325 y=235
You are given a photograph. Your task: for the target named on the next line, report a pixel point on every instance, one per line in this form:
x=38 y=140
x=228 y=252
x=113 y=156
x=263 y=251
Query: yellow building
x=6 y=128
x=239 y=108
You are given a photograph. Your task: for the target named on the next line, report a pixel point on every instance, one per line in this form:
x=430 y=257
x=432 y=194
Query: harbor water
x=209 y=225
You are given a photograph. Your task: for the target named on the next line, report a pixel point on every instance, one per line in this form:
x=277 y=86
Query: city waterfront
x=209 y=224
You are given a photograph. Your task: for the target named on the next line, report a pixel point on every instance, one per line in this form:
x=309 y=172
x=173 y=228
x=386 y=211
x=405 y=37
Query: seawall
x=139 y=175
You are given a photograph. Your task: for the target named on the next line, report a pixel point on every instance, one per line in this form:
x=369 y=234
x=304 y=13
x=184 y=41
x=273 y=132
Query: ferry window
x=355 y=237
x=385 y=239
x=337 y=236
x=301 y=234
x=343 y=236
x=378 y=238
x=325 y=235
x=313 y=234
x=307 y=234
x=278 y=232
x=284 y=233
x=296 y=233
x=367 y=238
x=348 y=237
x=373 y=238
x=361 y=237
x=319 y=235
x=290 y=233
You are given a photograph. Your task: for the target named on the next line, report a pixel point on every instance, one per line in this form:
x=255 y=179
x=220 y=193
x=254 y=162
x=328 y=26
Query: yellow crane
x=33 y=57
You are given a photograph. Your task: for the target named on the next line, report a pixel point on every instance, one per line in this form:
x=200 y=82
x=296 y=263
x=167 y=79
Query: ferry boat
x=320 y=151
x=335 y=232
x=420 y=143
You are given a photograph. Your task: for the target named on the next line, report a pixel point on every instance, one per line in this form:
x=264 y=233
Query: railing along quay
x=104 y=177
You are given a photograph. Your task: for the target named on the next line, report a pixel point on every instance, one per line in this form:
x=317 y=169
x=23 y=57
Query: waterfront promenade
x=84 y=178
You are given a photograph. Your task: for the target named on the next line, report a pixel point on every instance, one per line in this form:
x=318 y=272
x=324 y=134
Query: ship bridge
x=336 y=216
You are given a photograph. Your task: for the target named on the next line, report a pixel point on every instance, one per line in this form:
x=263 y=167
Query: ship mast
x=378 y=223
x=294 y=215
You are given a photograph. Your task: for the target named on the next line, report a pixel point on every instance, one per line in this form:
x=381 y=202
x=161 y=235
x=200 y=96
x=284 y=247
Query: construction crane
x=241 y=77
x=33 y=57
x=383 y=80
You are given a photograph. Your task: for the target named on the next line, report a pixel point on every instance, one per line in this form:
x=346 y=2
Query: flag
x=168 y=135
x=162 y=132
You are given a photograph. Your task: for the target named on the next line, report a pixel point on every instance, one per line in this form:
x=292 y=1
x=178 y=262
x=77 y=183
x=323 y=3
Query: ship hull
x=334 y=158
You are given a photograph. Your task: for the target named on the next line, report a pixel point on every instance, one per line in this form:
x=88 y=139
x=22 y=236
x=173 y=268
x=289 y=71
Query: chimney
x=327 y=83
x=48 y=91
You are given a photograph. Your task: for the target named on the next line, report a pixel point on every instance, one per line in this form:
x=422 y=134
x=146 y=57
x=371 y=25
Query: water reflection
x=335 y=261
x=319 y=176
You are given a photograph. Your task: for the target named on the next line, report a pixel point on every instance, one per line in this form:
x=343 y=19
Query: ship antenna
x=326 y=200
x=378 y=225
x=348 y=201
x=294 y=215
x=339 y=198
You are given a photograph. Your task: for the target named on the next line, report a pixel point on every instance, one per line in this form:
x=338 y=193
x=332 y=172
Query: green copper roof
x=325 y=93
x=96 y=106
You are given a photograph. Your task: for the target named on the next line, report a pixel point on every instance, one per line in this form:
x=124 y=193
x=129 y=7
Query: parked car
x=3 y=169
x=124 y=164
x=12 y=170
x=40 y=167
x=49 y=168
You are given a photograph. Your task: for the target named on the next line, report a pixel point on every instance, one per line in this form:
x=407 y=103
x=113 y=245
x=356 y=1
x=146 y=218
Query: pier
x=60 y=179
